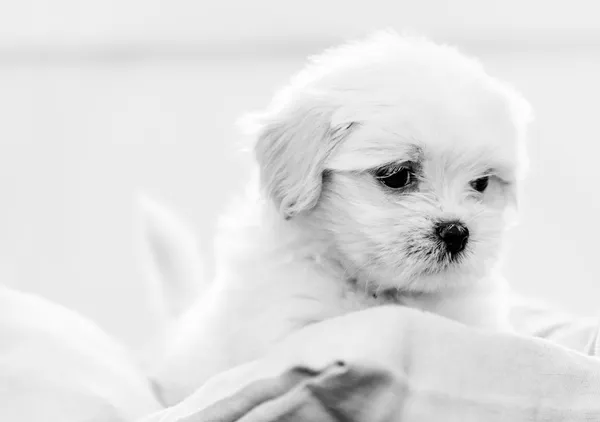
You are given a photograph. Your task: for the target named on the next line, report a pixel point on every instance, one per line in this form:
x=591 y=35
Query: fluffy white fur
x=317 y=234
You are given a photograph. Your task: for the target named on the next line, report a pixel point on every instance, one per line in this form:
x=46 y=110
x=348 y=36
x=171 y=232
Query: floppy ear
x=511 y=213
x=522 y=115
x=515 y=191
x=291 y=149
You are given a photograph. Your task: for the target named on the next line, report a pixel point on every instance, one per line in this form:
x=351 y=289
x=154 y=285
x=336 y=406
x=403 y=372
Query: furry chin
x=436 y=278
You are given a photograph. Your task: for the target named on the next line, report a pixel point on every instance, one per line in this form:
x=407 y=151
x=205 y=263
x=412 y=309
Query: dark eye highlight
x=396 y=177
x=481 y=184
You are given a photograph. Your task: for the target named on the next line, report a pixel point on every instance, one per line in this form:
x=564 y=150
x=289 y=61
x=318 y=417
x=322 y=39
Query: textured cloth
x=540 y=320
x=394 y=364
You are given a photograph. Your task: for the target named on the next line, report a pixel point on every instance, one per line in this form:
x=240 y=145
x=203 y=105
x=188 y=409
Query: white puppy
x=387 y=172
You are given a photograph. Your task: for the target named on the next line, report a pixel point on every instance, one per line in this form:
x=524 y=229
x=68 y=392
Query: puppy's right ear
x=292 y=145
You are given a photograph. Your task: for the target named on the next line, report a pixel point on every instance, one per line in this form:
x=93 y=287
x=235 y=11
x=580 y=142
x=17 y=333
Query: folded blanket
x=396 y=364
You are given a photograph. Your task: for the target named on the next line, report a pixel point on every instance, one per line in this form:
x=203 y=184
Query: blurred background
x=104 y=98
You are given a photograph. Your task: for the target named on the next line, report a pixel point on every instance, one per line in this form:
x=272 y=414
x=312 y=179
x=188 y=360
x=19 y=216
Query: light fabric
x=56 y=366
x=393 y=364
x=541 y=320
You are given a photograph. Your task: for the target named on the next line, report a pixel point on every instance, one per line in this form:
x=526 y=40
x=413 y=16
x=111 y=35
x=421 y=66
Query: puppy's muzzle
x=454 y=235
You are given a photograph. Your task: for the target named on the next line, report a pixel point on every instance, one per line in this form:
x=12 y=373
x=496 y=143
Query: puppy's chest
x=270 y=302
x=353 y=297
x=483 y=304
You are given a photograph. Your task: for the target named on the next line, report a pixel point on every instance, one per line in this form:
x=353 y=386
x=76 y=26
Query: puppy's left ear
x=514 y=191
x=292 y=146
x=512 y=210
x=522 y=115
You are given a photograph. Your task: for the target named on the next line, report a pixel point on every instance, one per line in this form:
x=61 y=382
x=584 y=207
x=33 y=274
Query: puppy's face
x=417 y=222
x=403 y=155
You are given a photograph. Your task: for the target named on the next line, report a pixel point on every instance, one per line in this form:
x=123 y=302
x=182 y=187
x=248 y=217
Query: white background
x=99 y=99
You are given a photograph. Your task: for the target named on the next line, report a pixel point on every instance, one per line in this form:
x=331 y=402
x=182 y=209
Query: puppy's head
x=403 y=154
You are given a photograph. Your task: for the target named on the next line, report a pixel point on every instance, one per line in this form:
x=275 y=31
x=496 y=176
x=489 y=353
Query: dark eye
x=396 y=179
x=480 y=184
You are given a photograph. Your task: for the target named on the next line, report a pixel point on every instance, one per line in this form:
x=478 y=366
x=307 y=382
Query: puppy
x=387 y=172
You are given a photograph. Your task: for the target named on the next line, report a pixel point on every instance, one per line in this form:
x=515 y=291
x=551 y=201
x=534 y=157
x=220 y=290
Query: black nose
x=454 y=235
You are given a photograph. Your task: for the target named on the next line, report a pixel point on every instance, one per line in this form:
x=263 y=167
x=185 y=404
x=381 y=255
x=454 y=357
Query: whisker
x=474 y=216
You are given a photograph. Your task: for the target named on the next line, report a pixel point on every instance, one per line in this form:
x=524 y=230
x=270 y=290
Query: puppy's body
x=365 y=163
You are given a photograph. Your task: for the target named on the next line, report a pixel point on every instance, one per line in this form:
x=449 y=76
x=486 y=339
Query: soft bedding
x=57 y=366
x=396 y=364
x=386 y=364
